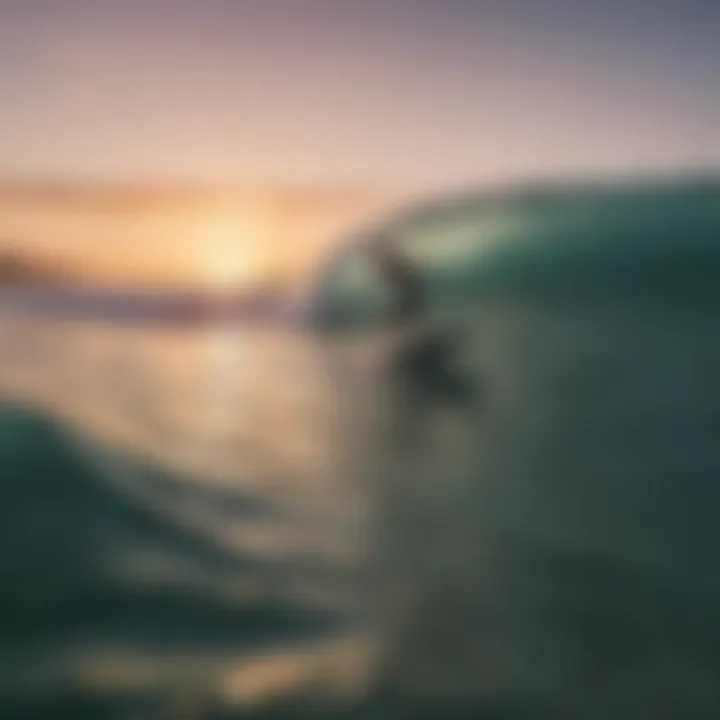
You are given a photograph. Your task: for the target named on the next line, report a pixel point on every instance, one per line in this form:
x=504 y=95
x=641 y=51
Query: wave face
x=551 y=552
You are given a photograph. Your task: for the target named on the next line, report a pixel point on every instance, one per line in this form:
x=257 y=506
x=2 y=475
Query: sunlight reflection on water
x=255 y=505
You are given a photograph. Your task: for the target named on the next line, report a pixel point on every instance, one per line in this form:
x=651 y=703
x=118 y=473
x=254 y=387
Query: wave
x=91 y=569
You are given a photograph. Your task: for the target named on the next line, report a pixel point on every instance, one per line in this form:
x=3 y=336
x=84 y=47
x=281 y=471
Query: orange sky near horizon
x=422 y=95
x=223 y=243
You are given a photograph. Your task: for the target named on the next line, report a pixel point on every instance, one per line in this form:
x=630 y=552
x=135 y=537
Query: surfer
x=425 y=362
x=406 y=285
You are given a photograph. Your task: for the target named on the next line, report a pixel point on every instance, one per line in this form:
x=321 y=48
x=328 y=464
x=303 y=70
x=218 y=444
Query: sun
x=227 y=268
x=228 y=252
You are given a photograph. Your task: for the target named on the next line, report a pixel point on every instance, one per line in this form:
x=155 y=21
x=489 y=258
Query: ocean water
x=178 y=533
x=555 y=554
x=231 y=523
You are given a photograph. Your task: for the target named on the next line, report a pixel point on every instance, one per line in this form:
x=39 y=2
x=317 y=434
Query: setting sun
x=227 y=268
x=227 y=260
x=228 y=251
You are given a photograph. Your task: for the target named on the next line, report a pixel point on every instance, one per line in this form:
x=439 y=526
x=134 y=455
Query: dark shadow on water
x=76 y=706
x=60 y=524
x=223 y=500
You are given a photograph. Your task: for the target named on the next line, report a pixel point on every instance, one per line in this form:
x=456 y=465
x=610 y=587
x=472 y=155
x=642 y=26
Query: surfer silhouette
x=405 y=283
x=425 y=363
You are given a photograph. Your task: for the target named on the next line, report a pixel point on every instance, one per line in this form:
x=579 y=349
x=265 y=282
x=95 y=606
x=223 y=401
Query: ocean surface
x=186 y=520
x=178 y=534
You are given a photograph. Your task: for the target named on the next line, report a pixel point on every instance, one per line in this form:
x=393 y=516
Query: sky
x=421 y=93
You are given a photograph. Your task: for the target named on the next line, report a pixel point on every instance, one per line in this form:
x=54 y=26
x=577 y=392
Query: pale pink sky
x=421 y=92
